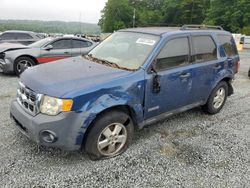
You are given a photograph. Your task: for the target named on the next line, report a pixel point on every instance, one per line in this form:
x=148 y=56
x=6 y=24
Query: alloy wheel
x=219 y=98
x=112 y=139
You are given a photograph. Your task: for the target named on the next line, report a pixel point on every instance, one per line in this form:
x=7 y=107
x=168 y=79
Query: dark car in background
x=18 y=58
x=22 y=37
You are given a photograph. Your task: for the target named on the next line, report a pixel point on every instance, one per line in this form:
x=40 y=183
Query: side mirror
x=49 y=47
x=156 y=83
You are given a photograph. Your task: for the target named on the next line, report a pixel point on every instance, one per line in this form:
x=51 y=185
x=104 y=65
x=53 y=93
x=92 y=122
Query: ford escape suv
x=134 y=78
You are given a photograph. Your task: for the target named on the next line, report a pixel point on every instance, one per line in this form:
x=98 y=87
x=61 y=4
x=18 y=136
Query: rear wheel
x=23 y=63
x=110 y=135
x=217 y=98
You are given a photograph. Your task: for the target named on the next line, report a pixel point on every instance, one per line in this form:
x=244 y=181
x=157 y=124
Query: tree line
x=232 y=15
x=50 y=26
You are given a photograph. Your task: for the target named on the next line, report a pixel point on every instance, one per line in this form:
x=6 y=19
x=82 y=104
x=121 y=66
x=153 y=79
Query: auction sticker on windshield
x=146 y=41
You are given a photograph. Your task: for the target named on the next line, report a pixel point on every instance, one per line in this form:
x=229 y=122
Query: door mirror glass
x=156 y=83
x=49 y=47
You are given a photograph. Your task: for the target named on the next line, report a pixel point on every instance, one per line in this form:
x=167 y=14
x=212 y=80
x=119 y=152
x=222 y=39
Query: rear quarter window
x=204 y=48
x=228 y=44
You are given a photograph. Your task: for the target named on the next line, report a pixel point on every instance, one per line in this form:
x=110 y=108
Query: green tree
x=232 y=15
x=192 y=12
x=116 y=14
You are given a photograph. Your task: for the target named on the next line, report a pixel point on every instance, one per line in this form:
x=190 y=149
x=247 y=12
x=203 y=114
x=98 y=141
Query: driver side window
x=62 y=44
x=174 y=54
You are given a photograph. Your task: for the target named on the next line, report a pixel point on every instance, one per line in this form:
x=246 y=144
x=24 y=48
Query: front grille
x=28 y=99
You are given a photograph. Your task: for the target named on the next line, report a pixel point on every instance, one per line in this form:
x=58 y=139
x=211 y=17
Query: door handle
x=66 y=52
x=185 y=75
x=216 y=67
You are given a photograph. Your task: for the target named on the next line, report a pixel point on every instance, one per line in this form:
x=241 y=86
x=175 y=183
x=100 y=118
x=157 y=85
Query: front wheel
x=110 y=135
x=22 y=63
x=217 y=98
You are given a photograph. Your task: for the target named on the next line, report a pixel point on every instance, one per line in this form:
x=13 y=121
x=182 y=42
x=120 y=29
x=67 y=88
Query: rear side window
x=62 y=44
x=8 y=36
x=228 y=44
x=80 y=44
x=204 y=49
x=174 y=54
x=23 y=36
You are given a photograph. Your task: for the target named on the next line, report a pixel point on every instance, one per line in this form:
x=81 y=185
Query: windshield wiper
x=105 y=62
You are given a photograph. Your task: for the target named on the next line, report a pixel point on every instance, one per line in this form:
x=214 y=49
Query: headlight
x=53 y=106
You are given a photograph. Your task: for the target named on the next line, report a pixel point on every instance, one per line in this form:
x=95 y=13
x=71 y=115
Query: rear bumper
x=6 y=66
x=66 y=127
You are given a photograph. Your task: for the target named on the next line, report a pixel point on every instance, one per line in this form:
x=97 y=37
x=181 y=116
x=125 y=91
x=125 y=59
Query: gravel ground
x=191 y=149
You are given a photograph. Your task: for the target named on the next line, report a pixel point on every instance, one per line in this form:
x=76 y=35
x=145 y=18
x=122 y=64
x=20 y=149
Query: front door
x=171 y=77
x=61 y=49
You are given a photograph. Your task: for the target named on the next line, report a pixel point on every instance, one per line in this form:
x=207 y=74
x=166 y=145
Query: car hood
x=71 y=75
x=4 y=47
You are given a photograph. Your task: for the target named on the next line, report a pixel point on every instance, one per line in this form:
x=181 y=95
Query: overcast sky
x=63 y=10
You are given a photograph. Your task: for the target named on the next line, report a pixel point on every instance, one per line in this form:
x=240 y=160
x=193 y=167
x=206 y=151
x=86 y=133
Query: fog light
x=48 y=136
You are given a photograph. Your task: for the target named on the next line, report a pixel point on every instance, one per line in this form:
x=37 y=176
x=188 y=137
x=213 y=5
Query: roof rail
x=202 y=27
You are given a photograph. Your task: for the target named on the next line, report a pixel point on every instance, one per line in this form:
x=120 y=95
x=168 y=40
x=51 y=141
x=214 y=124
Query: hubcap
x=22 y=65
x=112 y=139
x=219 y=98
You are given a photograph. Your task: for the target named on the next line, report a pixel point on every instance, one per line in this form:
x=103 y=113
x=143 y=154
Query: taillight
x=237 y=66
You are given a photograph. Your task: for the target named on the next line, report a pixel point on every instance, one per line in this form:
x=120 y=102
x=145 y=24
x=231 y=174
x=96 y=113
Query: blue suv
x=134 y=78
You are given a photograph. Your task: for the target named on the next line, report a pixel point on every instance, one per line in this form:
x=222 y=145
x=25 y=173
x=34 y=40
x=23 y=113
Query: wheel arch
x=123 y=107
x=29 y=56
x=228 y=80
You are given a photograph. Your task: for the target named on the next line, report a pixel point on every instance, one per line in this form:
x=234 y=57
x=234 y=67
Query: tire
x=23 y=63
x=217 y=98
x=110 y=135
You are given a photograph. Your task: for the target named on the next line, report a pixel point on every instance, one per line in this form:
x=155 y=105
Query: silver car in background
x=15 y=59
x=21 y=37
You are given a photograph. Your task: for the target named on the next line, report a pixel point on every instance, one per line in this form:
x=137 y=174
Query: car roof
x=163 y=30
x=67 y=37
x=18 y=31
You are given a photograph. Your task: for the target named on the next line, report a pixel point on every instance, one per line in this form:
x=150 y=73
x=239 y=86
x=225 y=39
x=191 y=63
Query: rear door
x=61 y=49
x=174 y=78
x=206 y=66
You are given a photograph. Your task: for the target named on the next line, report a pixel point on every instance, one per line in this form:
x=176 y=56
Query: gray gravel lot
x=191 y=149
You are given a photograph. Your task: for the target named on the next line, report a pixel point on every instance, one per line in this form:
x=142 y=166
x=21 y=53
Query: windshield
x=40 y=43
x=125 y=49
